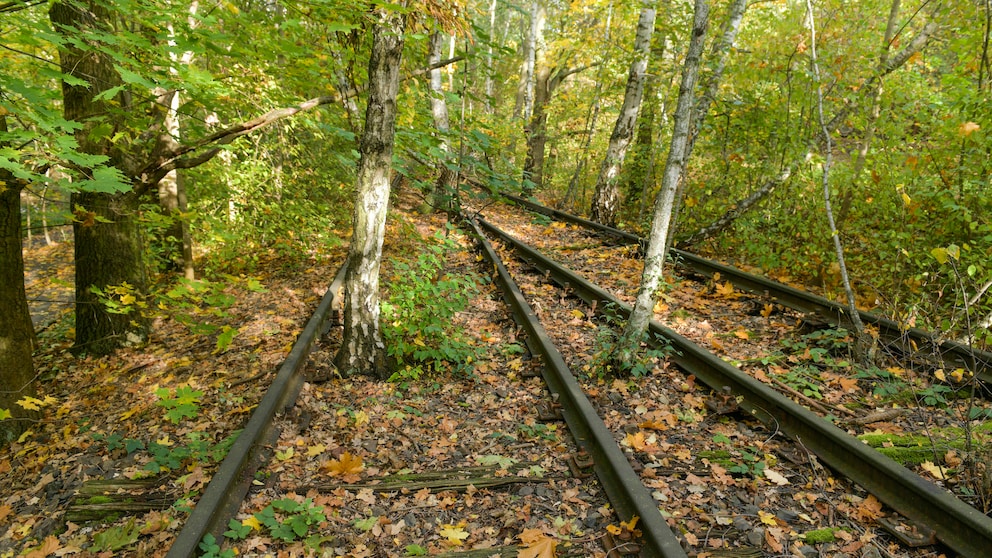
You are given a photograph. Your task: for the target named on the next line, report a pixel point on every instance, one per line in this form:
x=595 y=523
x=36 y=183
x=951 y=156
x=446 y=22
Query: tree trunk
x=606 y=199
x=874 y=111
x=108 y=241
x=654 y=259
x=536 y=132
x=17 y=339
x=721 y=50
x=362 y=350
x=862 y=341
x=444 y=195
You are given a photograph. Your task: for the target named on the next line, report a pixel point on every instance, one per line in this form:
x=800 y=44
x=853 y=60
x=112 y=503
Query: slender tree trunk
x=536 y=132
x=591 y=119
x=721 y=50
x=362 y=350
x=874 y=111
x=172 y=199
x=444 y=195
x=108 y=241
x=17 y=339
x=490 y=89
x=852 y=307
x=606 y=199
x=637 y=173
x=742 y=206
x=643 y=310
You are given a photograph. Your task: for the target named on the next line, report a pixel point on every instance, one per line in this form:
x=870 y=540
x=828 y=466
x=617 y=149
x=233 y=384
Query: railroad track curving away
x=960 y=526
x=910 y=341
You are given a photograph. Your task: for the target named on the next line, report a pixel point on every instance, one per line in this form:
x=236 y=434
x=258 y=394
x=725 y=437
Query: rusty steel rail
x=908 y=340
x=227 y=488
x=622 y=485
x=958 y=525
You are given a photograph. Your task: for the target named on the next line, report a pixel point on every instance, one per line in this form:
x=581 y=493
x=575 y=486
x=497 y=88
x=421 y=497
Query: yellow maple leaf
x=453 y=534
x=47 y=547
x=725 y=289
x=767 y=518
x=348 y=465
x=252 y=522
x=636 y=441
x=30 y=403
x=767 y=310
x=361 y=417
x=958 y=375
x=538 y=545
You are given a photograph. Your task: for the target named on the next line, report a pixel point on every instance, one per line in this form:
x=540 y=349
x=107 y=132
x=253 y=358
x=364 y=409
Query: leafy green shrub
x=418 y=317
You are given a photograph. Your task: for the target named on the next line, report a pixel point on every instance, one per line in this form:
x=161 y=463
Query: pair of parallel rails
x=961 y=527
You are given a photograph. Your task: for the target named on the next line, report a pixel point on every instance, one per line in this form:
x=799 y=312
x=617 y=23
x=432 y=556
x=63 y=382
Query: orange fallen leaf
x=348 y=466
x=537 y=544
x=47 y=548
x=869 y=509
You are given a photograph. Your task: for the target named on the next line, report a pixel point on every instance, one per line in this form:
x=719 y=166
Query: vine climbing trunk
x=110 y=272
x=654 y=258
x=606 y=198
x=362 y=350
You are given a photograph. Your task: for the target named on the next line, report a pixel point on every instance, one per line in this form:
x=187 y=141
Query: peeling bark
x=606 y=199
x=362 y=349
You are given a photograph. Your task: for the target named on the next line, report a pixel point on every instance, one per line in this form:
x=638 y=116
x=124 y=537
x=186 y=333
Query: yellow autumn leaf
x=127 y=299
x=361 y=417
x=937 y=471
x=576 y=313
x=131 y=412
x=725 y=289
x=348 y=465
x=454 y=534
x=285 y=455
x=631 y=523
x=742 y=333
x=958 y=375
x=30 y=403
x=537 y=544
x=939 y=374
x=252 y=522
x=767 y=518
x=314 y=451
x=968 y=128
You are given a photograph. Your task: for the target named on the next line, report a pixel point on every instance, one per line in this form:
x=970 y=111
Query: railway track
x=960 y=526
x=913 y=342
x=619 y=468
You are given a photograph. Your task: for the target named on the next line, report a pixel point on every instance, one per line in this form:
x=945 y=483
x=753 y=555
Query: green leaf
x=939 y=254
x=365 y=524
x=5 y=414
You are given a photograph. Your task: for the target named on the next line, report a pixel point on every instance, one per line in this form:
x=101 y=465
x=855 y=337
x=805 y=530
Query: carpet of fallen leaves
x=665 y=415
x=446 y=464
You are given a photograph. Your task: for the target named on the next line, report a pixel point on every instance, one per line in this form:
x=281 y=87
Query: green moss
x=820 y=535
x=913 y=449
x=99 y=500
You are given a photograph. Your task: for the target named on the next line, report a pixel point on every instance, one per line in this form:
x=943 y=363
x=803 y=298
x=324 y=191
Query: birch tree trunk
x=362 y=350
x=654 y=259
x=17 y=339
x=489 y=58
x=444 y=195
x=606 y=198
x=861 y=342
x=874 y=111
x=721 y=50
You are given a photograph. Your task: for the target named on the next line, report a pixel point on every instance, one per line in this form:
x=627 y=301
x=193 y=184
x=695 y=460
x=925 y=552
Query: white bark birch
x=362 y=350
x=606 y=199
x=828 y=160
x=643 y=310
x=443 y=196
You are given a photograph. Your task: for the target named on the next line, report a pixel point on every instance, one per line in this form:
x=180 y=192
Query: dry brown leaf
x=773 y=536
x=47 y=548
x=870 y=509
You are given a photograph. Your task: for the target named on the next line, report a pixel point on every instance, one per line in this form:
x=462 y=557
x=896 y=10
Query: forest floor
x=472 y=466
